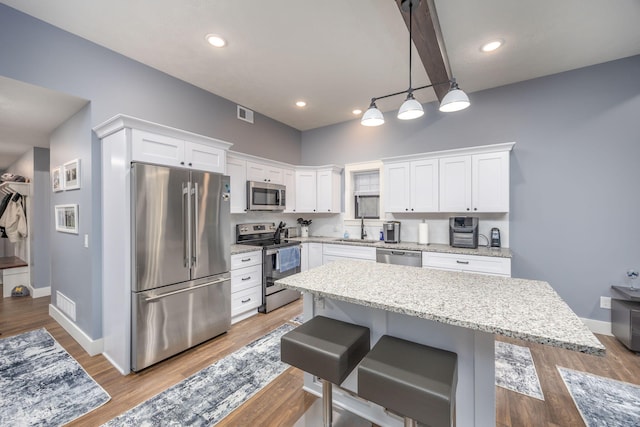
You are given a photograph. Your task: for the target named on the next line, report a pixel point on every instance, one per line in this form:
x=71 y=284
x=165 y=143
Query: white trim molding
x=597 y=326
x=39 y=292
x=91 y=346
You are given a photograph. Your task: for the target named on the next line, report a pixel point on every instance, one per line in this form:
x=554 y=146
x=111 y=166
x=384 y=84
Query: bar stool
x=414 y=380
x=327 y=348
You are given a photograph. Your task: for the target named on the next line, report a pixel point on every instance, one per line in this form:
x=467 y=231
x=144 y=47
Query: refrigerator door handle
x=194 y=238
x=186 y=205
x=214 y=282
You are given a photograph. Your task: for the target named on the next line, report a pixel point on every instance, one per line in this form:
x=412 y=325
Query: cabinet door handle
x=245 y=259
x=244 y=301
x=182 y=163
x=246 y=278
x=468 y=209
x=462 y=262
x=190 y=164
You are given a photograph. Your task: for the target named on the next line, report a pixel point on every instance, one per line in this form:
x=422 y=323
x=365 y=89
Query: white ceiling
x=338 y=54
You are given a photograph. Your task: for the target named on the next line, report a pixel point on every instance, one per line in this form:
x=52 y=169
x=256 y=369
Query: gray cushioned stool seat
x=327 y=348
x=413 y=380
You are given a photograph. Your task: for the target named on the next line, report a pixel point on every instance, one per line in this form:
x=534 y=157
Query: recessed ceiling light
x=357 y=112
x=301 y=104
x=491 y=46
x=216 y=41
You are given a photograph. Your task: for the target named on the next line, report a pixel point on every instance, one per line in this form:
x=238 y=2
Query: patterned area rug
x=515 y=370
x=603 y=401
x=41 y=384
x=299 y=319
x=208 y=396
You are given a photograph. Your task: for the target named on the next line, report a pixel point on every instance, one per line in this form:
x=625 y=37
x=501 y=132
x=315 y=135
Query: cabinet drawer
x=467 y=263
x=246 y=300
x=246 y=259
x=244 y=278
x=348 y=251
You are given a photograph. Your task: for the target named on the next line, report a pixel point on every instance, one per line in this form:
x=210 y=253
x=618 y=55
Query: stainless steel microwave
x=264 y=196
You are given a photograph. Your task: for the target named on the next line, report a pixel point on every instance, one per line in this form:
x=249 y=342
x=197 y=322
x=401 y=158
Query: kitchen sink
x=356 y=240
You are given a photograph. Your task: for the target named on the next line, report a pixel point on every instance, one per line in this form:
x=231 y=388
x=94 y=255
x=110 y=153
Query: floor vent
x=65 y=305
x=245 y=114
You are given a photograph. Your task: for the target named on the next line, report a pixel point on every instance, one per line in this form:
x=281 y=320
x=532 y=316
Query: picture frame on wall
x=71 y=172
x=57 y=182
x=66 y=217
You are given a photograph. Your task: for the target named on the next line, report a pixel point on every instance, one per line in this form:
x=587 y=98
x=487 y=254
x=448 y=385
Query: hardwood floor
x=283 y=401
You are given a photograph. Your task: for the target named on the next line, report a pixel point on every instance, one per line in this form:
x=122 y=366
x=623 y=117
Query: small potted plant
x=304 y=227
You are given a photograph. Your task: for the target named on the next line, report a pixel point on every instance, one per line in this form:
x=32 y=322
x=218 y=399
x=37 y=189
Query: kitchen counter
x=529 y=310
x=241 y=249
x=457 y=312
x=411 y=246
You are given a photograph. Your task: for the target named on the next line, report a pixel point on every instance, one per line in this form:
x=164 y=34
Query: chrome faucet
x=363 y=233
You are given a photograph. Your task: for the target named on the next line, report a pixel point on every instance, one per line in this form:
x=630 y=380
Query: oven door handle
x=168 y=294
x=270 y=252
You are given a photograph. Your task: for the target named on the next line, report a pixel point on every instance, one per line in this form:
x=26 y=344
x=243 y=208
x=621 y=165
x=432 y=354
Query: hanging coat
x=14 y=219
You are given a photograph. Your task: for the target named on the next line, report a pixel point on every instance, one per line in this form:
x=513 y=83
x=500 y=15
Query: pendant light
x=410 y=108
x=454 y=100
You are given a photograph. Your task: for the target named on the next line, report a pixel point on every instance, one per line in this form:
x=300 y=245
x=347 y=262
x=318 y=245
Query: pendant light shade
x=410 y=108
x=372 y=117
x=454 y=100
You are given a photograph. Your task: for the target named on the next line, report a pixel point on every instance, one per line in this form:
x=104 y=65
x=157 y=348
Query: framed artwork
x=71 y=173
x=66 y=218
x=57 y=183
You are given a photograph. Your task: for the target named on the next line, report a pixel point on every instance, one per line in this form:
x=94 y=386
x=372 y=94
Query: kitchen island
x=459 y=312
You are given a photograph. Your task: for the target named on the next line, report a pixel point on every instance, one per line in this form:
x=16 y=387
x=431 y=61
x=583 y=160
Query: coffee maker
x=391 y=231
x=463 y=231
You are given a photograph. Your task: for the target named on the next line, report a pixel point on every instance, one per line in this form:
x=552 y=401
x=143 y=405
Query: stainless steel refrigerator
x=181 y=288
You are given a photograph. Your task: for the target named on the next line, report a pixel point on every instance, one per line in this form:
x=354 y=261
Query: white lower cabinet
x=467 y=263
x=315 y=255
x=332 y=253
x=246 y=285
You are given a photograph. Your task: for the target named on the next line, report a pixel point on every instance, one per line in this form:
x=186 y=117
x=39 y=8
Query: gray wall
x=574 y=169
x=72 y=265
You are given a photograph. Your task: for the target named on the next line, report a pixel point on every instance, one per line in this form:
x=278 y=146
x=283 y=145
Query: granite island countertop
x=525 y=309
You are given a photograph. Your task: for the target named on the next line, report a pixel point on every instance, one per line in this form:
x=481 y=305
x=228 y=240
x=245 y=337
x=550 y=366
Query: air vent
x=66 y=305
x=245 y=114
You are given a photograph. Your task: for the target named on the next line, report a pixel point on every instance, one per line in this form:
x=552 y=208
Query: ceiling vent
x=245 y=114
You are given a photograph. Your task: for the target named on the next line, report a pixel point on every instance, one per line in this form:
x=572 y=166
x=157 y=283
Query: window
x=366 y=188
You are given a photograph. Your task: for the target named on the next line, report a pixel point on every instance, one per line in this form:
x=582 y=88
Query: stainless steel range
x=280 y=258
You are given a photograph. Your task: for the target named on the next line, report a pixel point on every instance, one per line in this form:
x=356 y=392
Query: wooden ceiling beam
x=428 y=41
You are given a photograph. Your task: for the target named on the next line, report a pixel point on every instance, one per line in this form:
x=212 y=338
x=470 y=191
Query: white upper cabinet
x=424 y=185
x=237 y=171
x=490 y=182
x=264 y=173
x=455 y=184
x=475 y=183
x=289 y=181
x=169 y=151
x=412 y=186
x=397 y=187
x=305 y=191
x=328 y=190
x=318 y=190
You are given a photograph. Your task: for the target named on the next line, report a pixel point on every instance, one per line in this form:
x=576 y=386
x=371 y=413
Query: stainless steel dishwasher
x=399 y=257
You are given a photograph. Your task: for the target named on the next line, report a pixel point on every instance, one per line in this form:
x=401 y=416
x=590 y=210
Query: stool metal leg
x=409 y=422
x=327 y=403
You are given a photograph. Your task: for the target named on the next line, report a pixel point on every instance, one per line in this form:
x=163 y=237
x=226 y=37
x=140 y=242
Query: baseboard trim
x=91 y=346
x=598 y=326
x=39 y=292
